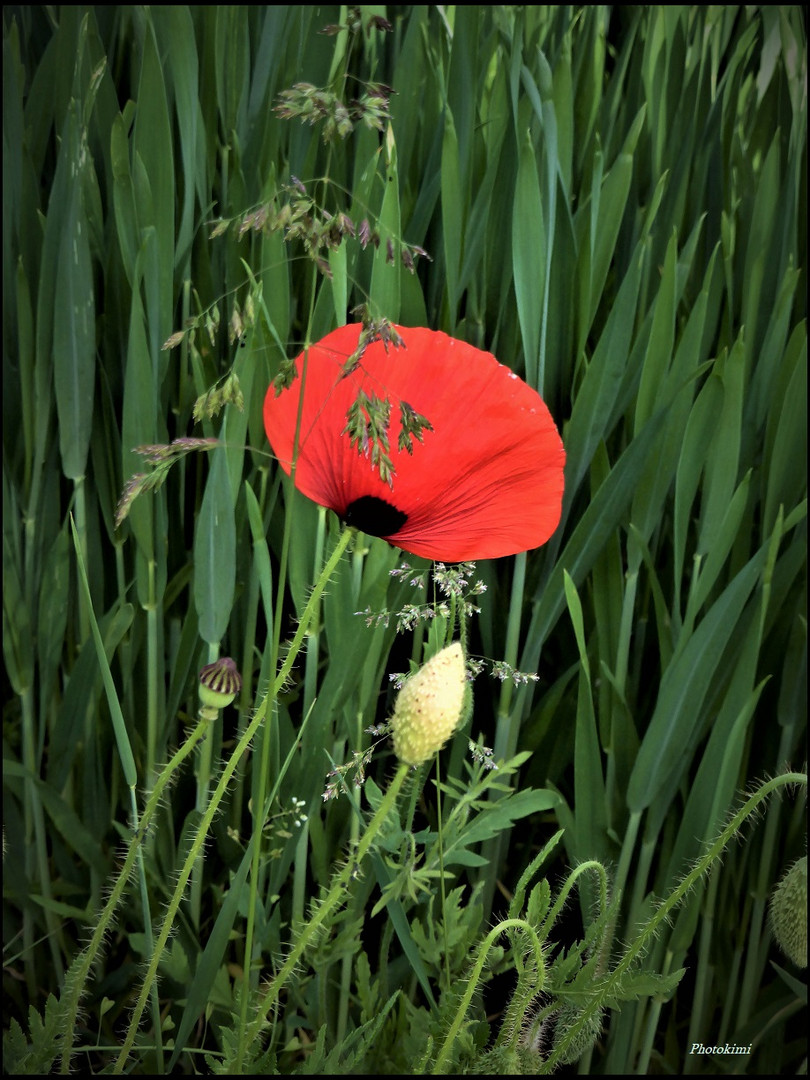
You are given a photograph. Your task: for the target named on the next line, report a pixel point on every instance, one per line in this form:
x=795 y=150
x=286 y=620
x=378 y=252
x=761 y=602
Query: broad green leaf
x=529 y=240
x=587 y=838
x=18 y=644
x=600 y=386
x=139 y=423
x=684 y=686
x=119 y=726
x=174 y=31
x=452 y=210
x=261 y=555
x=64 y=818
x=786 y=481
x=597 y=524
x=499 y=815
x=722 y=458
x=155 y=188
x=712 y=791
x=53 y=608
x=661 y=341
x=212 y=956
x=215 y=553
x=603 y=221
x=384 y=293
x=74 y=323
x=697 y=437
x=707 y=571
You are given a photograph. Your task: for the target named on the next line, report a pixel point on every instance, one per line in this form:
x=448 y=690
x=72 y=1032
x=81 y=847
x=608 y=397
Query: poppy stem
x=311 y=608
x=334 y=898
x=217 y=796
x=77 y=977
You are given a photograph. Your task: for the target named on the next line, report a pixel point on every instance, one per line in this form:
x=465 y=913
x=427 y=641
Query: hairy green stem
x=219 y=792
x=76 y=978
x=475 y=975
x=591 y=866
x=147 y=927
x=651 y=927
x=332 y=900
x=258 y=822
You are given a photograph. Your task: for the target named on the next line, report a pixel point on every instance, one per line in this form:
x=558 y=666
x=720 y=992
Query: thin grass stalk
x=300 y=863
x=641 y=877
x=153 y=668
x=251 y=620
x=652 y=1016
x=36 y=847
x=507 y=724
x=80 y=504
x=442 y=890
x=730 y=997
x=507 y=730
x=203 y=771
x=247 y=663
x=703 y=970
x=183 y=371
x=626 y=854
x=758 y=933
x=347 y=963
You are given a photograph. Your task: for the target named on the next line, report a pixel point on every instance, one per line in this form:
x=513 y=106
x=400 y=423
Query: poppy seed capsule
x=220 y=682
x=789 y=913
x=428 y=708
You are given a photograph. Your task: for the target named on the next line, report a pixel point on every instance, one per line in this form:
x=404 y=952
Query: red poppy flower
x=484 y=480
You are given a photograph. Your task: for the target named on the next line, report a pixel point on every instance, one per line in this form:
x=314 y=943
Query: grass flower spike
x=477 y=471
x=428 y=708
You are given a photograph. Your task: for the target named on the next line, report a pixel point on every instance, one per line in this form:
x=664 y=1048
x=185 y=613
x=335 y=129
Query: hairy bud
x=789 y=913
x=428 y=708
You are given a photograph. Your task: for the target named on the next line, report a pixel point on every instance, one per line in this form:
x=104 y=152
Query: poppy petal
x=486 y=481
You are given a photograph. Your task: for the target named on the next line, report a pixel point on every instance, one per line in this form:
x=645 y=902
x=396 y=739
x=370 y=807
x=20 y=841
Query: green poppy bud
x=428 y=708
x=789 y=913
x=220 y=682
x=587 y=1032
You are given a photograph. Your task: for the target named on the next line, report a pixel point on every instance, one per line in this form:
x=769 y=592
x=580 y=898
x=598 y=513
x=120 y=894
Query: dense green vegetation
x=613 y=202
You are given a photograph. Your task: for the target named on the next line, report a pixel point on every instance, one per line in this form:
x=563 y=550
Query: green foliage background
x=613 y=201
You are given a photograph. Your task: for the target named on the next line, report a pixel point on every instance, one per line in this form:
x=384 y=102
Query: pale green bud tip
x=220 y=682
x=428 y=708
x=789 y=913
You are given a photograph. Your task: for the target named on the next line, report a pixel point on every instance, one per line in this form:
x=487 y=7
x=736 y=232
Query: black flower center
x=374 y=516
